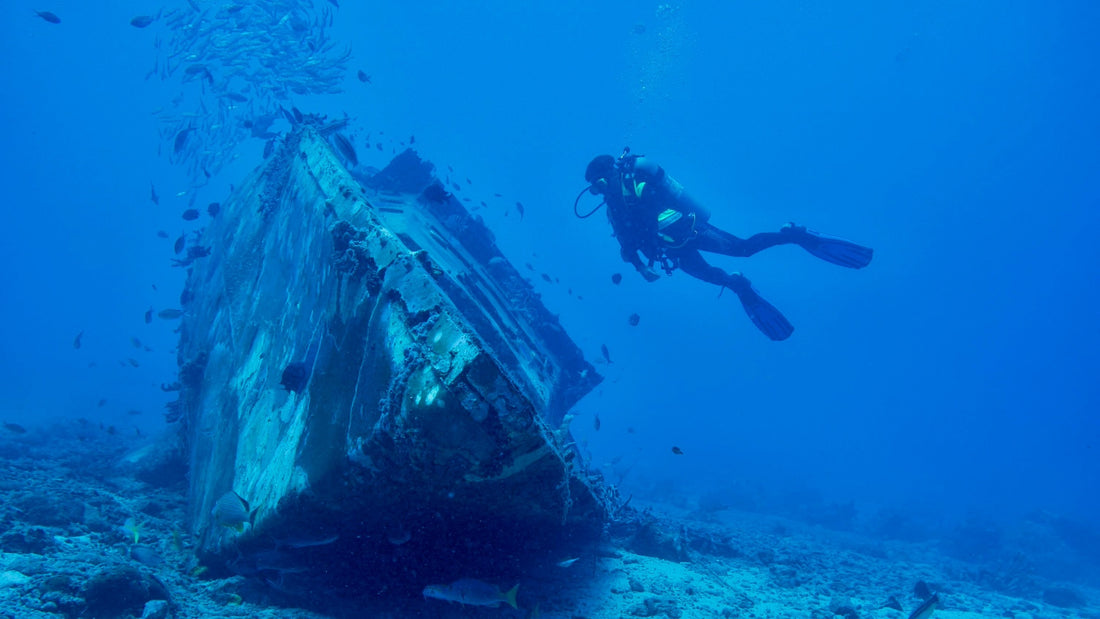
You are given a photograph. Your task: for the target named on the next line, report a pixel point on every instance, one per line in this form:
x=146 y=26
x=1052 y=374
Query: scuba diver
x=651 y=213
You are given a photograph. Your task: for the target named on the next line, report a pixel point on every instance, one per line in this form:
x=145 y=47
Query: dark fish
x=378 y=146
x=149 y=315
x=101 y=402
x=232 y=96
x=925 y=610
x=161 y=234
x=468 y=181
x=180 y=242
x=519 y=207
x=616 y=278
x=146 y=556
x=133 y=412
x=153 y=194
x=634 y=320
x=133 y=362
x=498 y=195
x=546 y=278
x=676 y=450
x=307 y=542
x=181 y=140
x=412 y=139
x=142 y=21
x=213 y=209
x=15 y=428
x=363 y=77
x=136 y=343
x=344 y=145
x=191 y=214
x=48 y=16
x=605 y=353
x=596 y=422
x=76 y=340
x=169 y=314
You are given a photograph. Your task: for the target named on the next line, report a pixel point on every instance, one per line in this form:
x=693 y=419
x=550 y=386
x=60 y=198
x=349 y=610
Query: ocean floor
x=81 y=536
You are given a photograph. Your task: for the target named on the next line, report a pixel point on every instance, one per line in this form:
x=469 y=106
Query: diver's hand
x=649 y=275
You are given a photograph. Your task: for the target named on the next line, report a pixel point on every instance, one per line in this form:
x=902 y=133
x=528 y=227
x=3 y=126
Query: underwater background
x=951 y=384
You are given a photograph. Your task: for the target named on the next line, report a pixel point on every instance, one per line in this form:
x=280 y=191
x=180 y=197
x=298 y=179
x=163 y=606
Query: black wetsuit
x=640 y=202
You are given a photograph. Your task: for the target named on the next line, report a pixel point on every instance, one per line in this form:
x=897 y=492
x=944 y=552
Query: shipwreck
x=383 y=391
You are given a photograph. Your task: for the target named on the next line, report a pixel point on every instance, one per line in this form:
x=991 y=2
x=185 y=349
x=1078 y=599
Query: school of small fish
x=238 y=64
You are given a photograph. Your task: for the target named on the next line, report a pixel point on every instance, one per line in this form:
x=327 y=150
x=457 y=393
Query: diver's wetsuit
x=644 y=194
x=651 y=213
x=716 y=240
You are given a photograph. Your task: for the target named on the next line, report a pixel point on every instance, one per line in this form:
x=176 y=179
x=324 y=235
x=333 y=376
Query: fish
x=142 y=21
x=925 y=610
x=472 y=593
x=133 y=412
x=133 y=362
x=181 y=140
x=568 y=562
x=76 y=340
x=363 y=77
x=170 y=314
x=48 y=16
x=519 y=208
x=14 y=428
x=191 y=214
x=161 y=234
x=101 y=402
x=606 y=354
x=634 y=319
x=676 y=450
x=616 y=278
x=131 y=527
x=146 y=556
x=180 y=242
x=136 y=343
x=306 y=542
x=346 y=148
x=153 y=194
x=596 y=422
x=232 y=511
x=213 y=209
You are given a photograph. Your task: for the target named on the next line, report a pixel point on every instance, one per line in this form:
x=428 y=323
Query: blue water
x=956 y=375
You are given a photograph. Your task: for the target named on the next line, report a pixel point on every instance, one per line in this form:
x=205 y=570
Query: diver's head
x=599 y=172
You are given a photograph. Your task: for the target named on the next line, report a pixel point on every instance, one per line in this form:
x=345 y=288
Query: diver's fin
x=830 y=248
x=764 y=315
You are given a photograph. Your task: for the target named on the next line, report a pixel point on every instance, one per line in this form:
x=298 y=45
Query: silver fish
x=472 y=593
x=232 y=511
